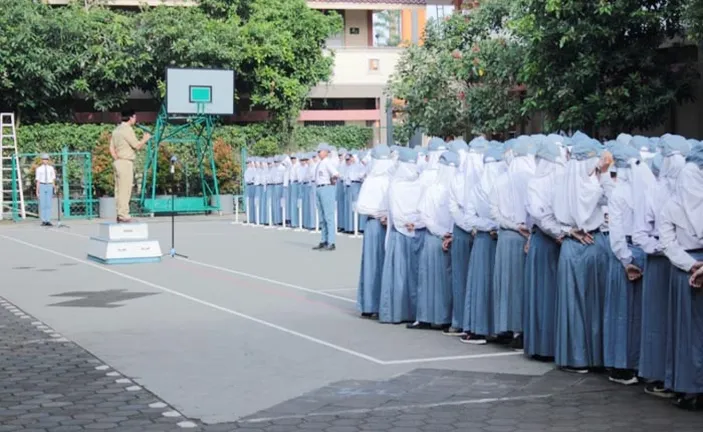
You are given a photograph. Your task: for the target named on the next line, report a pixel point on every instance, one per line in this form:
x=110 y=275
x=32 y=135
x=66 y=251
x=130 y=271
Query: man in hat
x=123 y=147
x=326 y=176
x=45 y=176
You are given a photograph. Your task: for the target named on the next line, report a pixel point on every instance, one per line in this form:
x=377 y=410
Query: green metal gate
x=74 y=184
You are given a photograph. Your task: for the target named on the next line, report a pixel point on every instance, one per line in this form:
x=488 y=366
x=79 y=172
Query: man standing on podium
x=123 y=147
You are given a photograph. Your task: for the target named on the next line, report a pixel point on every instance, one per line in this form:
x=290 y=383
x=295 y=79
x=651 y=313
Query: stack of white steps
x=124 y=244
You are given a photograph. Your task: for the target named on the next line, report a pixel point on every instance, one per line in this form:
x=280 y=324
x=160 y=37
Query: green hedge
x=36 y=138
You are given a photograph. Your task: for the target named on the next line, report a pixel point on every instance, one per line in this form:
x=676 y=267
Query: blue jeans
x=325 y=207
x=46 y=194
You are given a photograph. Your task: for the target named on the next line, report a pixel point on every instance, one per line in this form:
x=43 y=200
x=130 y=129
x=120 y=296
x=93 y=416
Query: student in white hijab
x=623 y=291
x=404 y=240
x=655 y=283
x=474 y=163
x=509 y=210
x=478 y=310
x=373 y=204
x=353 y=180
x=583 y=258
x=436 y=147
x=249 y=175
x=434 y=291
x=421 y=158
x=681 y=234
x=543 y=251
x=461 y=240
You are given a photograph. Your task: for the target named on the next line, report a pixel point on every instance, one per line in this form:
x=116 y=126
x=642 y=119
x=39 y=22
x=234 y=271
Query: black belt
x=306 y=183
x=276 y=184
x=295 y=182
x=323 y=185
x=250 y=184
x=46 y=183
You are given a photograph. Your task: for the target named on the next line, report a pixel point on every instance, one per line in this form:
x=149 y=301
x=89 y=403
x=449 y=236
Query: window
x=387 y=31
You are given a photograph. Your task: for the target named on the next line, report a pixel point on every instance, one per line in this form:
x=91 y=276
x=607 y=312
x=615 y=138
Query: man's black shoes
x=325 y=247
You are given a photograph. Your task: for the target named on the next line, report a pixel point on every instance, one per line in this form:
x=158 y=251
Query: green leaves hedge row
x=37 y=138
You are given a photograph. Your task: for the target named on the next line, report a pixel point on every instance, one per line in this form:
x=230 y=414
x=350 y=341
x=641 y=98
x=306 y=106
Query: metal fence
x=74 y=185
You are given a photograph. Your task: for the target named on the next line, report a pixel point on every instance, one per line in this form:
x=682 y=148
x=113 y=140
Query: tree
x=283 y=56
x=597 y=65
x=35 y=75
x=463 y=79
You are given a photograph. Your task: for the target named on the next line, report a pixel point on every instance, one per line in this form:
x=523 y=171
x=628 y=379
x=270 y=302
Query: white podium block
x=124 y=231
x=124 y=244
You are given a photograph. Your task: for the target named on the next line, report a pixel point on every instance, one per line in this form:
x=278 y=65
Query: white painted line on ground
x=171 y=414
x=270 y=281
x=266 y=323
x=157 y=405
x=133 y=388
x=450 y=358
x=324 y=293
x=102 y=367
x=199 y=301
x=123 y=381
x=186 y=424
x=112 y=374
x=412 y=407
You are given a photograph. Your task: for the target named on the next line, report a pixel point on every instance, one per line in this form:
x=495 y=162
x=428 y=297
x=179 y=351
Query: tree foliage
x=51 y=55
x=463 y=79
x=598 y=65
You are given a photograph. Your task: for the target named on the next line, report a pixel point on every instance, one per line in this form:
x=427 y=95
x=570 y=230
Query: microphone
x=174 y=159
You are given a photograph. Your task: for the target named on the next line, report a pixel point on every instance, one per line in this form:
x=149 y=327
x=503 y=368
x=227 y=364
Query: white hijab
x=435 y=202
x=482 y=190
x=511 y=189
x=540 y=189
x=576 y=198
x=403 y=197
x=689 y=196
x=373 y=196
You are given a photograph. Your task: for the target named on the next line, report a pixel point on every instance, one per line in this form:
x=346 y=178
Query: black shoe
x=451 y=331
x=49 y=224
x=688 y=402
x=657 y=389
x=623 y=376
x=367 y=315
x=473 y=339
x=575 y=370
x=320 y=246
x=417 y=325
x=517 y=343
x=330 y=247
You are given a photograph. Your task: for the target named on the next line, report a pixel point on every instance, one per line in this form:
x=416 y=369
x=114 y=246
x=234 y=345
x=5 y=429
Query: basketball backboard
x=199 y=91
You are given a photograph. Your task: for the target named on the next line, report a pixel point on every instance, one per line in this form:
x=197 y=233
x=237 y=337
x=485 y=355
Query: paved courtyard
x=256 y=332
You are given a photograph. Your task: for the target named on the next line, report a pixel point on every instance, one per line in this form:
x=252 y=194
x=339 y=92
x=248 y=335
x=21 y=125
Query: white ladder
x=8 y=153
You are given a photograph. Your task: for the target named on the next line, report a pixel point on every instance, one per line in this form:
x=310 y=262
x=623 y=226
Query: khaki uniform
x=125 y=142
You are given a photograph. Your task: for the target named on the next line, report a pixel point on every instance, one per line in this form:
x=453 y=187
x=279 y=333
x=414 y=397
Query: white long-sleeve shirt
x=675 y=239
x=456 y=205
x=621 y=219
x=644 y=227
x=474 y=219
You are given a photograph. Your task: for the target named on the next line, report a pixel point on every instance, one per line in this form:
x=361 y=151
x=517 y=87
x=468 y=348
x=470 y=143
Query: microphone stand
x=173 y=252
x=60 y=224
